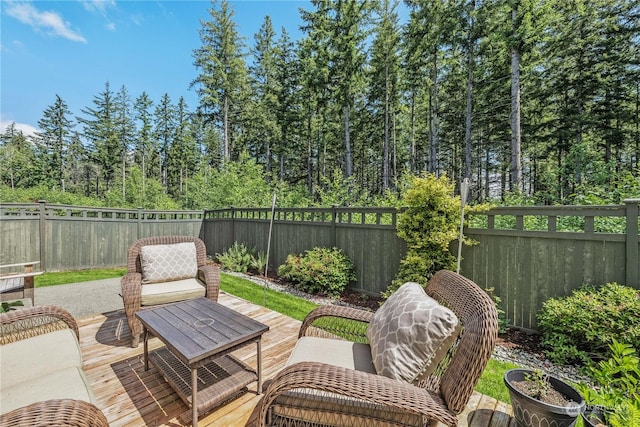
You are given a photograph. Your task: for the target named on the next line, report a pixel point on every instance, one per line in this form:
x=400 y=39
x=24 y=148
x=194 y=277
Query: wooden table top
x=200 y=328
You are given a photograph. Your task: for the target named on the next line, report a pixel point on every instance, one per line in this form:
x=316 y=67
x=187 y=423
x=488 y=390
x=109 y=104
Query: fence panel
x=366 y=235
x=528 y=260
x=65 y=237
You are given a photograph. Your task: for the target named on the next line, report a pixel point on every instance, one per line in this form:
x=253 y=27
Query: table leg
x=194 y=396
x=145 y=335
x=259 y=352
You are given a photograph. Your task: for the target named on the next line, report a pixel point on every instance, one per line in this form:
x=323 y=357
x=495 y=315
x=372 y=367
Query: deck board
x=129 y=396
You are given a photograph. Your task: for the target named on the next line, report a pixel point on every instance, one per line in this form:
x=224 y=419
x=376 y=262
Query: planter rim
x=573 y=408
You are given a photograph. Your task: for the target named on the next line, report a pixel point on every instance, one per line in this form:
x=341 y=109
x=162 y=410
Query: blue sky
x=72 y=48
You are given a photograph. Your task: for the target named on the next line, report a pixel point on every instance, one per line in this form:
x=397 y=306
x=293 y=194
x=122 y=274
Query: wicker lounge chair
x=132 y=283
x=312 y=393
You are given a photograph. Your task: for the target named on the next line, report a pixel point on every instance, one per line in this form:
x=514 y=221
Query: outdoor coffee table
x=199 y=335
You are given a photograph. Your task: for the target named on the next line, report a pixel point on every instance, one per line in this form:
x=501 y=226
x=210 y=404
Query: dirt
x=550 y=396
x=516 y=338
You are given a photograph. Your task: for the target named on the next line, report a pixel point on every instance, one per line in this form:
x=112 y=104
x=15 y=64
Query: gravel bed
x=514 y=355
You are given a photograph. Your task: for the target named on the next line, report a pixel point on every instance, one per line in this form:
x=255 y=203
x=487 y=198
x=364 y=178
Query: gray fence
x=527 y=259
x=526 y=254
x=366 y=235
x=66 y=237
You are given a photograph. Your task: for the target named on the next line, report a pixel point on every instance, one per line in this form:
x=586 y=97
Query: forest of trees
x=539 y=98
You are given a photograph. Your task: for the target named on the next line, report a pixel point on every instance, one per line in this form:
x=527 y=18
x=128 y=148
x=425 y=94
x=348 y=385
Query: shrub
x=580 y=327
x=236 y=258
x=618 y=381
x=428 y=225
x=319 y=271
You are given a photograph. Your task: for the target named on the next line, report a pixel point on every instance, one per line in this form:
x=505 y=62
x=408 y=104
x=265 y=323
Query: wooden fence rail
x=527 y=254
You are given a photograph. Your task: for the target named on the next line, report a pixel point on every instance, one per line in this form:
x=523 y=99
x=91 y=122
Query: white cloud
x=100 y=5
x=26 y=129
x=51 y=22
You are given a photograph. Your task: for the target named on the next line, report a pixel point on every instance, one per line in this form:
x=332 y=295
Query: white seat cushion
x=167 y=292
x=333 y=352
x=67 y=383
x=36 y=357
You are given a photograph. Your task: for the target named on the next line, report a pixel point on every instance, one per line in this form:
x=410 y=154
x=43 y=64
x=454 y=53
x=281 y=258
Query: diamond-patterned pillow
x=407 y=332
x=164 y=263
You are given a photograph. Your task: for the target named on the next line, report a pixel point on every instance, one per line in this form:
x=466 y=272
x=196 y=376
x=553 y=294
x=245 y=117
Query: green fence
x=64 y=237
x=526 y=254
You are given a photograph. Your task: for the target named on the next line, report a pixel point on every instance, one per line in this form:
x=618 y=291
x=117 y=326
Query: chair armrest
x=131 y=286
x=28 y=322
x=59 y=412
x=337 y=321
x=210 y=275
x=372 y=388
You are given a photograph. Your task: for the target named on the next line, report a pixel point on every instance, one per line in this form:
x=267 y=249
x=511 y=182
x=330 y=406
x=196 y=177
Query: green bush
x=321 y=271
x=618 y=386
x=428 y=225
x=580 y=327
x=237 y=258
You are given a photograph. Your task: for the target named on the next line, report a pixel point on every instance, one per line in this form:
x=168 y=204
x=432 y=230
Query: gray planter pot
x=530 y=412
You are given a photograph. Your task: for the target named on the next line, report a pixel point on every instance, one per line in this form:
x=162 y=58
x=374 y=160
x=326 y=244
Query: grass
x=491 y=383
x=76 y=276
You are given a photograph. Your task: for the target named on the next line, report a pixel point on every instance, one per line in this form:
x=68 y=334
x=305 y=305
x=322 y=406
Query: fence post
x=233 y=225
x=42 y=218
x=334 y=218
x=632 y=274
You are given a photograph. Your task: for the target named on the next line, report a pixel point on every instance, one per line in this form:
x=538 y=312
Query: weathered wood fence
x=64 y=237
x=526 y=254
x=366 y=235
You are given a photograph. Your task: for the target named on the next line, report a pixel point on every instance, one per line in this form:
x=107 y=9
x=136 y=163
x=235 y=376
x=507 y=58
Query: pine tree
x=54 y=139
x=222 y=79
x=100 y=130
x=164 y=132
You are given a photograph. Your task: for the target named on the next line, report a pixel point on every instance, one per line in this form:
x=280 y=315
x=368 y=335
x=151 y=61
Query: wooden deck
x=129 y=396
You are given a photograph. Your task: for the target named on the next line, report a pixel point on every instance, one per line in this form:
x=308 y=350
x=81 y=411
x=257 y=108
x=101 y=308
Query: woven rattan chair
x=309 y=393
x=131 y=283
x=59 y=412
x=23 y=326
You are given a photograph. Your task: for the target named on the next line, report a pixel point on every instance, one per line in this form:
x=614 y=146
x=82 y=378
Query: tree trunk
x=433 y=151
x=347 y=142
x=469 y=112
x=516 y=167
x=385 y=149
x=227 y=149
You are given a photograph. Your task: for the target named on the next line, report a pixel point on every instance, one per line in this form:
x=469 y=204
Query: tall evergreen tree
x=384 y=86
x=164 y=131
x=125 y=129
x=222 y=77
x=54 y=140
x=145 y=152
x=100 y=130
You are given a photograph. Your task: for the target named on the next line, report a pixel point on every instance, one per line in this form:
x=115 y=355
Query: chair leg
x=135 y=341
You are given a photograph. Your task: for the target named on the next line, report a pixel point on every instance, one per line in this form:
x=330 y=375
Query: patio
x=129 y=396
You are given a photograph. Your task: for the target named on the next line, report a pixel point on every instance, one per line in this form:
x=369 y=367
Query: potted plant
x=539 y=399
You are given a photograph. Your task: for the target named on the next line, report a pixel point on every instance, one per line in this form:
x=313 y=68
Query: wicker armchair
x=311 y=393
x=131 y=283
x=39 y=347
x=57 y=412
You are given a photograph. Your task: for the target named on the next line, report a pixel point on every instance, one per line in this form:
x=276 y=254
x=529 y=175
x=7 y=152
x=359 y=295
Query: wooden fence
x=366 y=235
x=526 y=254
x=64 y=237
